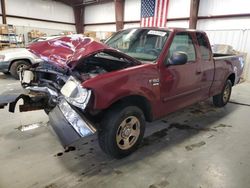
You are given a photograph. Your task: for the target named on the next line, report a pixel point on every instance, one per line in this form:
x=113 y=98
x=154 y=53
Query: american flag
x=154 y=13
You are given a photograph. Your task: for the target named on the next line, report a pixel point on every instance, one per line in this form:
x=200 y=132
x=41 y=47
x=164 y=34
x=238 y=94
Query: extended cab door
x=181 y=84
x=207 y=63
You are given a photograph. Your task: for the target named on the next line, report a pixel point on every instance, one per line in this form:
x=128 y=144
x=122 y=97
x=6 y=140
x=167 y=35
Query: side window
x=183 y=42
x=204 y=46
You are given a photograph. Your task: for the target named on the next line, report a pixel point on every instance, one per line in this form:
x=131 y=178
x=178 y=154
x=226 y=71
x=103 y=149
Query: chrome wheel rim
x=128 y=132
x=20 y=68
x=226 y=93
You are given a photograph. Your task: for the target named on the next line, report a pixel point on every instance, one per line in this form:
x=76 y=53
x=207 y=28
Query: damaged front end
x=58 y=93
x=56 y=85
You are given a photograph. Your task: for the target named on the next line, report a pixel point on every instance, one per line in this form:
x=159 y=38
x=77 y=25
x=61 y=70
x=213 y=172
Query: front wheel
x=17 y=67
x=222 y=99
x=121 y=131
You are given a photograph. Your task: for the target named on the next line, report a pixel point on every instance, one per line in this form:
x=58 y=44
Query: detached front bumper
x=12 y=97
x=68 y=124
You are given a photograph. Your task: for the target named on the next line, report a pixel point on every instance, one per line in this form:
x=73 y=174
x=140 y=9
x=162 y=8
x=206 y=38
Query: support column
x=119 y=14
x=3 y=12
x=194 y=8
x=79 y=18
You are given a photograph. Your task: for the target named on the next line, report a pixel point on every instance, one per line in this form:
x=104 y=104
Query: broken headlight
x=75 y=94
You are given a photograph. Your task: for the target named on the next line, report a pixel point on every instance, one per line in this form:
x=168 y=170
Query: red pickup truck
x=138 y=75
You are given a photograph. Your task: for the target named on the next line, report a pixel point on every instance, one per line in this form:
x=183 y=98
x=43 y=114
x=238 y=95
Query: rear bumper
x=68 y=124
x=4 y=66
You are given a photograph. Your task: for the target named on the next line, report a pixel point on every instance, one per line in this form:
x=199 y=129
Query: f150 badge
x=154 y=81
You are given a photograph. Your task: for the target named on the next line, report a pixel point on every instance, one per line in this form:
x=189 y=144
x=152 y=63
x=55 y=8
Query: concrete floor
x=200 y=146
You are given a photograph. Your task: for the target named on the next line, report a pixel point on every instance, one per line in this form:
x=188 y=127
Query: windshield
x=142 y=44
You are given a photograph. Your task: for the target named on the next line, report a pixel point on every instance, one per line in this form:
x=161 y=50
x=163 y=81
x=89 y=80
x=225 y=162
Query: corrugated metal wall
x=100 y=13
x=40 y=9
x=48 y=10
x=238 y=38
x=230 y=31
x=104 y=13
x=178 y=9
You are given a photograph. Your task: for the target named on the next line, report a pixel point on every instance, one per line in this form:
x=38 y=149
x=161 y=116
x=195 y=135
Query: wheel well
x=232 y=78
x=139 y=101
x=27 y=60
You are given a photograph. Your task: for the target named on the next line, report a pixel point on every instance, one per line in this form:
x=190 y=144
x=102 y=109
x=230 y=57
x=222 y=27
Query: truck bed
x=223 y=65
x=226 y=56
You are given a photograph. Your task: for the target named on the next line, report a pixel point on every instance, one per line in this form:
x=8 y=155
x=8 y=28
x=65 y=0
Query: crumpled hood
x=68 y=50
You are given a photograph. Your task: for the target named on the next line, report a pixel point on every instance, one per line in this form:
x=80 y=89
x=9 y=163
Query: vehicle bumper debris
x=68 y=124
x=32 y=126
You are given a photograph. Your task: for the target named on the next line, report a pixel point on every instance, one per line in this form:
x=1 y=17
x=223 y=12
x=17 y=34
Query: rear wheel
x=222 y=99
x=122 y=131
x=17 y=67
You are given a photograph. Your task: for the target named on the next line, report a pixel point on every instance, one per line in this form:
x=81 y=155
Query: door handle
x=198 y=72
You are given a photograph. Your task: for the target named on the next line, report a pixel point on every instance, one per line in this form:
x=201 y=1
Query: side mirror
x=177 y=58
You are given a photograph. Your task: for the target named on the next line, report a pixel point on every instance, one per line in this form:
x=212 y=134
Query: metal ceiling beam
x=194 y=8
x=75 y=3
x=79 y=18
x=92 y=2
x=65 y=2
x=119 y=14
x=3 y=12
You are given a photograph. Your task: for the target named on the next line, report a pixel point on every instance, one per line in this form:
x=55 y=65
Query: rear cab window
x=203 y=46
x=183 y=42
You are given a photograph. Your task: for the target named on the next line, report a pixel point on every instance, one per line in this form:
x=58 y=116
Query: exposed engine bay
x=49 y=75
x=98 y=64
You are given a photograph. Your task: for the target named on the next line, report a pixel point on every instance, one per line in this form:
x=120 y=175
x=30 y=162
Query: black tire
x=112 y=130
x=17 y=66
x=47 y=111
x=222 y=99
x=6 y=73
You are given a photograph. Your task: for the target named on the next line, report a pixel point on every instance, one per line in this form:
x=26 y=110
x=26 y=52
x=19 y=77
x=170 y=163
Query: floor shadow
x=89 y=160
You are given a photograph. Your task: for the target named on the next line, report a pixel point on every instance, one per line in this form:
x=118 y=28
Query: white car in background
x=13 y=60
